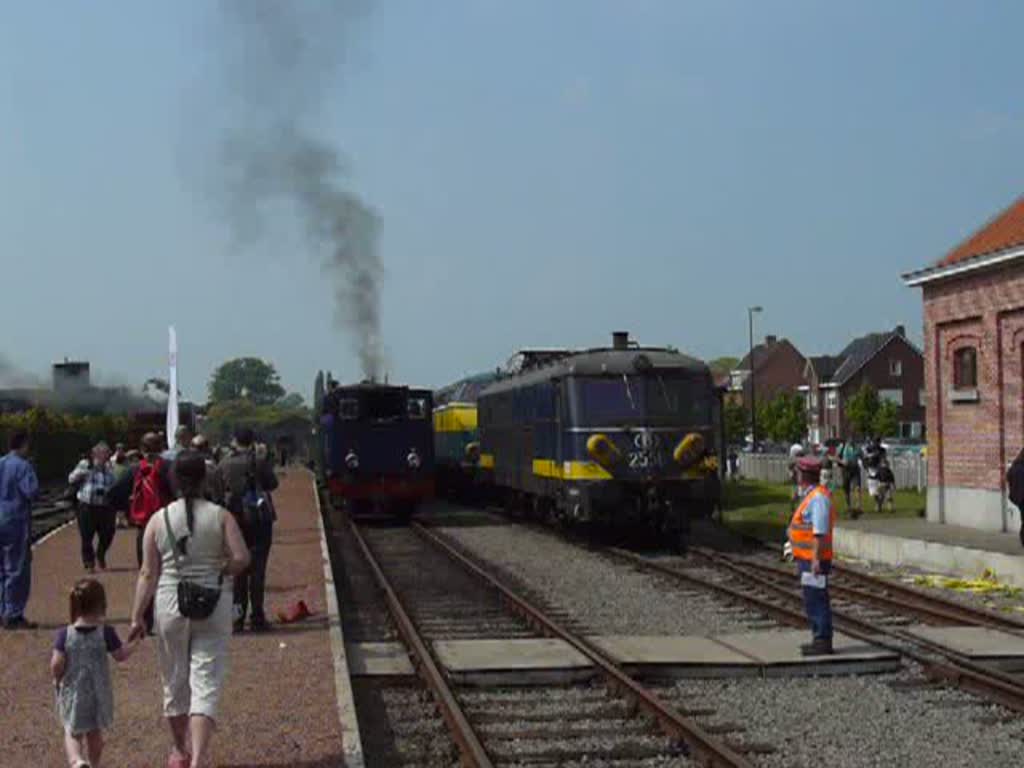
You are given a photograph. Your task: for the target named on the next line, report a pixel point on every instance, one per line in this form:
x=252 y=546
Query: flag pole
x=172 y=382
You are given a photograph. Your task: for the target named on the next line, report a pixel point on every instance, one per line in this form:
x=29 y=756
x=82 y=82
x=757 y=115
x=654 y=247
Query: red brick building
x=778 y=367
x=974 y=355
x=887 y=362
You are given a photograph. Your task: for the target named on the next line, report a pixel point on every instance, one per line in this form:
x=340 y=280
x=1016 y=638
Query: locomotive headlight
x=414 y=459
x=473 y=453
x=352 y=460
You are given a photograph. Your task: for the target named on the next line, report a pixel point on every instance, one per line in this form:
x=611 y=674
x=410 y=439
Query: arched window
x=965 y=368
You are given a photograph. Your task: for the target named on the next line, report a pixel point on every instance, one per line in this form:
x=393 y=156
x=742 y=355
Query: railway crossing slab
x=378 y=660
x=984 y=644
x=778 y=652
x=515 y=661
x=677 y=656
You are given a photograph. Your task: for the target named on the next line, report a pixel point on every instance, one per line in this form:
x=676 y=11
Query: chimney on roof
x=769 y=340
x=620 y=340
x=899 y=330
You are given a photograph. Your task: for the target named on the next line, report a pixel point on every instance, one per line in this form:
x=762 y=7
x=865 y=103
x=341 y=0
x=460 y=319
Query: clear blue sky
x=545 y=172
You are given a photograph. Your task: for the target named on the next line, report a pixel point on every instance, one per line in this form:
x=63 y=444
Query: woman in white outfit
x=193 y=652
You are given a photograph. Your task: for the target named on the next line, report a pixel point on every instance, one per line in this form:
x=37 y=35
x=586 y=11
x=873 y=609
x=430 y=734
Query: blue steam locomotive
x=375 y=446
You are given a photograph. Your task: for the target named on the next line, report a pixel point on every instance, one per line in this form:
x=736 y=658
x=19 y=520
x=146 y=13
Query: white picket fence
x=909 y=469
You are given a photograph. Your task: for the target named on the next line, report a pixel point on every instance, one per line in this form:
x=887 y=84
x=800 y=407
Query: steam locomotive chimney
x=620 y=340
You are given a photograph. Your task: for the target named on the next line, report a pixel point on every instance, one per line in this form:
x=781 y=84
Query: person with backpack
x=145 y=490
x=243 y=484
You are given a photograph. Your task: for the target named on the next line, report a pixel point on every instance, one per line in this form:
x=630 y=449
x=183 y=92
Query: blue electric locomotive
x=611 y=435
x=376 y=447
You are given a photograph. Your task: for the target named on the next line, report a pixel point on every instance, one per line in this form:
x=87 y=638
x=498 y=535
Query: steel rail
x=979 y=615
x=990 y=684
x=471 y=749
x=706 y=749
x=926 y=606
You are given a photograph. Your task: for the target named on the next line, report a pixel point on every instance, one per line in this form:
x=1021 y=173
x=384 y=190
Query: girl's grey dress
x=85 y=698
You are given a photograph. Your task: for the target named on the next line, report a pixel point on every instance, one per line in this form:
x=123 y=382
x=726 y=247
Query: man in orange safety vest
x=810 y=536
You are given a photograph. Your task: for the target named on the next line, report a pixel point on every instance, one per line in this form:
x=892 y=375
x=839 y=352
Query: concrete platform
x=521 y=661
x=667 y=656
x=378 y=660
x=778 y=653
x=1002 y=649
x=932 y=546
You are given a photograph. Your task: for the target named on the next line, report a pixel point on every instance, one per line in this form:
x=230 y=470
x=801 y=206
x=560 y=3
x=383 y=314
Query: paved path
x=279 y=708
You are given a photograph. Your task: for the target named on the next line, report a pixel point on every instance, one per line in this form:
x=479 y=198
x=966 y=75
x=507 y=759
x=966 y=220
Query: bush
x=58 y=439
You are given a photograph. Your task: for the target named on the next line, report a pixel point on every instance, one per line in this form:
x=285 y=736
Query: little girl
x=81 y=673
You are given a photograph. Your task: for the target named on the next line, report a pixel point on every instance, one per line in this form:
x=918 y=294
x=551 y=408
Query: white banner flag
x=172 y=394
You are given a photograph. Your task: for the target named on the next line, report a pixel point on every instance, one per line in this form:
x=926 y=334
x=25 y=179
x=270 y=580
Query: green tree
x=246 y=378
x=737 y=422
x=292 y=401
x=783 y=419
x=861 y=410
x=722 y=365
x=887 y=419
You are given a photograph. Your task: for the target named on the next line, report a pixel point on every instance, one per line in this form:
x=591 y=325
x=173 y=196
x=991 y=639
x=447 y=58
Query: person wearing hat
x=810 y=536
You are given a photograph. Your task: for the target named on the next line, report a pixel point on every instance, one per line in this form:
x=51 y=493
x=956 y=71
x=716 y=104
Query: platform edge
x=352 y=744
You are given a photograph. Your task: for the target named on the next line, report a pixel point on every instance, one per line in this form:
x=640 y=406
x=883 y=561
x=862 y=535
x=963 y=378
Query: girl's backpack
x=146 y=496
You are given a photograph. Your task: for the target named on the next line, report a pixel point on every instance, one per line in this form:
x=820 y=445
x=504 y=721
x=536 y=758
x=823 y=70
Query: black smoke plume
x=283 y=60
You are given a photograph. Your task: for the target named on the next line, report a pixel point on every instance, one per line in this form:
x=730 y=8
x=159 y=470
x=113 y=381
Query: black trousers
x=251 y=584
x=140 y=532
x=95 y=522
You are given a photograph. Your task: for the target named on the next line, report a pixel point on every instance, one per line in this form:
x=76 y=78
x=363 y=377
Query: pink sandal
x=179 y=761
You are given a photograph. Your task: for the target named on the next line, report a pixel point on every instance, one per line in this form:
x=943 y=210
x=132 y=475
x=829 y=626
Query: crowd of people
x=204 y=529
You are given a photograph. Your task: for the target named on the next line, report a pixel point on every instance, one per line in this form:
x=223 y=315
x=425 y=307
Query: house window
x=896 y=368
x=832 y=400
x=965 y=368
x=736 y=380
x=891 y=395
x=814 y=400
x=922 y=397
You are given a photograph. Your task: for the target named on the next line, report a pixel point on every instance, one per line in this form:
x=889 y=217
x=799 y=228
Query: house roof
x=998 y=240
x=762 y=353
x=825 y=366
x=1004 y=231
x=857 y=353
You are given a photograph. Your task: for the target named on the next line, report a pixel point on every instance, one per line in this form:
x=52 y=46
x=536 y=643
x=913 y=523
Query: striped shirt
x=95 y=482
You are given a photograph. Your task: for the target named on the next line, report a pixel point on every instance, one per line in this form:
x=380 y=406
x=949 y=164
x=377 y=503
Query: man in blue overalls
x=18 y=487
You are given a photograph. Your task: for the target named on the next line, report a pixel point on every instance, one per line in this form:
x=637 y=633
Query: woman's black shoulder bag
x=194 y=600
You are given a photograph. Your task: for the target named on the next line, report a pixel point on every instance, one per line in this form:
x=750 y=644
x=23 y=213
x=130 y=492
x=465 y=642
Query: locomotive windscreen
x=652 y=399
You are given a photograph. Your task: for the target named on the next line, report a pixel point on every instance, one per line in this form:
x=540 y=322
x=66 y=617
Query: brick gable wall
x=969 y=444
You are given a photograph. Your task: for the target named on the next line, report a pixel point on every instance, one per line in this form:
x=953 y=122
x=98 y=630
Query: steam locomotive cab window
x=384 y=405
x=348 y=408
x=417 y=408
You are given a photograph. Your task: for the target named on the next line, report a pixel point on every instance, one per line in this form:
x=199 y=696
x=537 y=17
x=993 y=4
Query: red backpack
x=146 y=496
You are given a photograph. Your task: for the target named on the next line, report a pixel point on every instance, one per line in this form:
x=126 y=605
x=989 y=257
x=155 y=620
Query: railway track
x=49 y=512
x=434 y=591
x=872 y=611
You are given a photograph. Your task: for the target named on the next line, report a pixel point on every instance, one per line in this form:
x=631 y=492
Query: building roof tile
x=1004 y=231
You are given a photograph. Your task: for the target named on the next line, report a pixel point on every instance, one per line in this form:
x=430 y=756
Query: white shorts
x=193 y=655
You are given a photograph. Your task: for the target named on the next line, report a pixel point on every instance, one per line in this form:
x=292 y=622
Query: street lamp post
x=753 y=394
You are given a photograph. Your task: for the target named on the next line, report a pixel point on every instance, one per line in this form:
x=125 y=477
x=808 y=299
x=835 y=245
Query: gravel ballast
x=605 y=596
x=862 y=722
